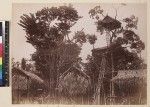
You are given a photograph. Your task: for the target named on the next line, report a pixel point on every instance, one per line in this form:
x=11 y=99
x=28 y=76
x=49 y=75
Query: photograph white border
x=6 y=14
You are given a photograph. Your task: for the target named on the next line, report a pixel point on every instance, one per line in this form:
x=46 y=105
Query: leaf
x=92 y=39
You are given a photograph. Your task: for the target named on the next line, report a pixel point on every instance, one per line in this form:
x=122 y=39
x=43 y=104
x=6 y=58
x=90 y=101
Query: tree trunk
x=93 y=46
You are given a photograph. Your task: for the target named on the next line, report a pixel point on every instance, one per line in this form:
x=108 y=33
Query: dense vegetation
x=48 y=30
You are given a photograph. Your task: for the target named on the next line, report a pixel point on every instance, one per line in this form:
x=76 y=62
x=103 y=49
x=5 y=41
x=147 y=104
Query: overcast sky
x=20 y=48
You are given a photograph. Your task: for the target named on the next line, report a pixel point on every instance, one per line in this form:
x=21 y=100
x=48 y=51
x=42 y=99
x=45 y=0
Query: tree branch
x=116 y=13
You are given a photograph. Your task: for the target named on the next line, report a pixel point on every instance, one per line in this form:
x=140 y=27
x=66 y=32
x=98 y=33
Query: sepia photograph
x=79 y=53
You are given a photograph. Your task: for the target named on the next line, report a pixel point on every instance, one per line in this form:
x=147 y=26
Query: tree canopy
x=127 y=45
x=47 y=27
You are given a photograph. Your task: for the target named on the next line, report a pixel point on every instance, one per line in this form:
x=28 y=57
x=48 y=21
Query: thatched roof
x=110 y=23
x=74 y=81
x=130 y=74
x=28 y=74
x=78 y=71
x=20 y=82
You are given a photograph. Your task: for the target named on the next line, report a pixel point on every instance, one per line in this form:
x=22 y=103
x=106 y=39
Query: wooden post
x=18 y=89
x=28 y=94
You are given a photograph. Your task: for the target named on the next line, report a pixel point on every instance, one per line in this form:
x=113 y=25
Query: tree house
x=109 y=23
x=104 y=59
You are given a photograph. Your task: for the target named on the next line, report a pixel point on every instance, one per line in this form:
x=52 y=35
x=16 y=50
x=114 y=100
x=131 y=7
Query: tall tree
x=48 y=27
x=123 y=39
x=46 y=30
x=122 y=51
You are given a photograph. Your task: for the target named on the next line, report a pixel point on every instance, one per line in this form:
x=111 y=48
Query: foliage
x=47 y=30
x=92 y=39
x=96 y=12
x=125 y=41
x=125 y=60
x=131 y=22
x=62 y=58
x=80 y=37
x=47 y=27
x=125 y=46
